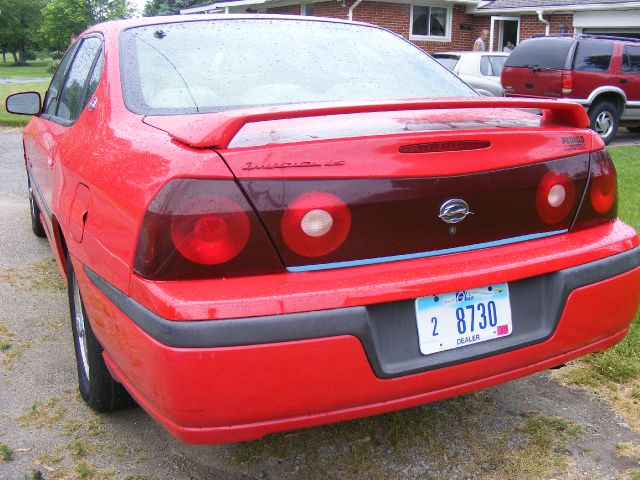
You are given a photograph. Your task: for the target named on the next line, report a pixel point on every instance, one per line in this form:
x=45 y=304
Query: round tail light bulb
x=557 y=195
x=316 y=222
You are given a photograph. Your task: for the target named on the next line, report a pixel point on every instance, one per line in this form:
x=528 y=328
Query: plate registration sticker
x=456 y=319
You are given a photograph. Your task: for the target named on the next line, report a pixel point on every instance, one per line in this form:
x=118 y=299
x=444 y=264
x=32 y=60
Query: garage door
x=616 y=32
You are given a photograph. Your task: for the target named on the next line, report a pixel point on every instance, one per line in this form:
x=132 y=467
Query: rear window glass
x=631 y=62
x=491 y=65
x=541 y=52
x=214 y=65
x=449 y=61
x=593 y=56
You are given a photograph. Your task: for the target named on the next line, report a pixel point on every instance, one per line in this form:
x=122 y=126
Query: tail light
x=567 y=81
x=555 y=197
x=202 y=229
x=315 y=223
x=600 y=204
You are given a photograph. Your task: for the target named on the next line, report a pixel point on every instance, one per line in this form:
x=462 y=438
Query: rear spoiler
x=217 y=130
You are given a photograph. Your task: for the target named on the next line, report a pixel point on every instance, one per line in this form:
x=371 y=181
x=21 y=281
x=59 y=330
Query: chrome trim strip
x=432 y=253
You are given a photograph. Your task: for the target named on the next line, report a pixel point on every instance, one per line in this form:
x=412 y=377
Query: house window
x=431 y=22
x=306 y=9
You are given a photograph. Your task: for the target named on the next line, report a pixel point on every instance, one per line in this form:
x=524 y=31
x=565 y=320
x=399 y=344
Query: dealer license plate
x=457 y=319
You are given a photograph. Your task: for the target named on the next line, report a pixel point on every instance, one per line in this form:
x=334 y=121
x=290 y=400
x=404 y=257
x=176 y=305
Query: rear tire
x=97 y=388
x=34 y=209
x=604 y=119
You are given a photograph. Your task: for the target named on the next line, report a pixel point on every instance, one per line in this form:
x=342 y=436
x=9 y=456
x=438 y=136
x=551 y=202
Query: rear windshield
x=541 y=52
x=491 y=65
x=214 y=65
x=446 y=60
x=593 y=56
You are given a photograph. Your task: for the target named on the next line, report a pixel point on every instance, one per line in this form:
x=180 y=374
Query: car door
x=630 y=80
x=51 y=134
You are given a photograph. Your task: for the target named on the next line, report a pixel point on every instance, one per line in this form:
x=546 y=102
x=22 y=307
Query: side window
x=53 y=93
x=73 y=92
x=593 y=56
x=631 y=60
x=485 y=66
x=93 y=81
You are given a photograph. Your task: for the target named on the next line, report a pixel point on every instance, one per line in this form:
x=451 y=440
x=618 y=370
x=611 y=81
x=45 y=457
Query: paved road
x=24 y=80
x=625 y=138
x=51 y=431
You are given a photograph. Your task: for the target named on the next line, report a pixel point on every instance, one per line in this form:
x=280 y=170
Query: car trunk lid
x=382 y=184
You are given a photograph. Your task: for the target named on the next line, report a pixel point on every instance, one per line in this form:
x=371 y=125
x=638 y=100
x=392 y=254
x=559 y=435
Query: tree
x=19 y=23
x=168 y=7
x=65 y=19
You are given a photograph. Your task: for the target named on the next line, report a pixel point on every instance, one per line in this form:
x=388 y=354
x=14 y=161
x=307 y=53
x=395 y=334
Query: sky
x=139 y=4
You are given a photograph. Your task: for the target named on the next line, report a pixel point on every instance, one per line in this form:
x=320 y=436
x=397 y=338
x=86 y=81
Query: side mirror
x=27 y=103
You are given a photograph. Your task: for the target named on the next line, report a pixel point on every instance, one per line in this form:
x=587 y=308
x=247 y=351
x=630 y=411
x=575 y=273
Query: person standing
x=480 y=45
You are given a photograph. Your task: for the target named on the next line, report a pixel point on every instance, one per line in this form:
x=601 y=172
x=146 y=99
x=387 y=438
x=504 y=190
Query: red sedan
x=269 y=223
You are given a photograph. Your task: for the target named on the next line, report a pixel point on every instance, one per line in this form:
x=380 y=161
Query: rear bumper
x=230 y=380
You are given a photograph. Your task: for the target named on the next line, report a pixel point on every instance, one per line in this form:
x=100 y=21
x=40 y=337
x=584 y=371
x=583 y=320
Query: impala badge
x=454 y=210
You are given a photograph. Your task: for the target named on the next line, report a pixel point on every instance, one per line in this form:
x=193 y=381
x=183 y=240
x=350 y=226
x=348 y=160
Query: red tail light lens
x=211 y=238
x=202 y=229
x=567 y=82
x=600 y=204
x=315 y=223
x=603 y=190
x=555 y=197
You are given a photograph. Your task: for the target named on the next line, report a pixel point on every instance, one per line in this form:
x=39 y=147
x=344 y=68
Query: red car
x=269 y=223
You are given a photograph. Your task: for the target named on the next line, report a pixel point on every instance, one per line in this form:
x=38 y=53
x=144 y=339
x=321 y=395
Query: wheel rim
x=81 y=331
x=31 y=205
x=604 y=124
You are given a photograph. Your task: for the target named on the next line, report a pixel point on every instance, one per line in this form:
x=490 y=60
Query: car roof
x=119 y=25
x=585 y=36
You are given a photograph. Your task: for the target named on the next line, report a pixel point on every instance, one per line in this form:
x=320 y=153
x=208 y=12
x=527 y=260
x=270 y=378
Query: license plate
x=457 y=319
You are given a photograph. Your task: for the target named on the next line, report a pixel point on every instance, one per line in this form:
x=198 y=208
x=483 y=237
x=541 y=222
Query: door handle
x=623 y=81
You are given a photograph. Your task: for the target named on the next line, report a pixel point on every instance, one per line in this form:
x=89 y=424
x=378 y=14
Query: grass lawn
x=35 y=69
x=7 y=89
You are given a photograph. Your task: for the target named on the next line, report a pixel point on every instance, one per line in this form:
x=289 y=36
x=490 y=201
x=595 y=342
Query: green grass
x=35 y=69
x=6 y=454
x=7 y=89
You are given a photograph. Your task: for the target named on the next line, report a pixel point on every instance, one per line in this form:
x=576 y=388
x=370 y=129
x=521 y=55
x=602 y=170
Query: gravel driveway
x=530 y=428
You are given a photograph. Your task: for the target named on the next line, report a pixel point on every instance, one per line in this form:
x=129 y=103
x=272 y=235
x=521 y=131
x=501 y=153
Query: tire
x=634 y=129
x=34 y=209
x=97 y=388
x=604 y=119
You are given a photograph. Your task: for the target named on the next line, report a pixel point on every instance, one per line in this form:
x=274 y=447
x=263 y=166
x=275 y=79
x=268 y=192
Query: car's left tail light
x=196 y=229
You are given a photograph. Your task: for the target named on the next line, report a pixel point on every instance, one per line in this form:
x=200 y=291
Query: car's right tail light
x=600 y=203
x=567 y=82
x=202 y=229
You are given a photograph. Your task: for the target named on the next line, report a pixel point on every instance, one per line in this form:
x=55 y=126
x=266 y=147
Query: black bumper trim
x=387 y=331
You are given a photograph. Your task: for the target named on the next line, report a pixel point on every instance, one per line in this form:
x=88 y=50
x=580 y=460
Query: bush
x=53 y=65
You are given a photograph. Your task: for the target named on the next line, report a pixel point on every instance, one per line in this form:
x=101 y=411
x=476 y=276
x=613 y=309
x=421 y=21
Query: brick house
x=445 y=25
